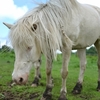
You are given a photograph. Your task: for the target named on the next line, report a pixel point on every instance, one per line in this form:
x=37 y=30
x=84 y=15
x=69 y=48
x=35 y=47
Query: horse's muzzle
x=20 y=80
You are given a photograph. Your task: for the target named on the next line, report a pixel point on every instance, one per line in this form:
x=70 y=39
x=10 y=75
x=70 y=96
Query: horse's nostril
x=21 y=79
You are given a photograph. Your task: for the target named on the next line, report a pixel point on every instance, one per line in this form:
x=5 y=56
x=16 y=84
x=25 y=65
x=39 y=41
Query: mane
x=51 y=19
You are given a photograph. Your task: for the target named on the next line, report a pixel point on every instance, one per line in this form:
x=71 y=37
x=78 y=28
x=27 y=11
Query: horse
x=37 y=75
x=59 y=24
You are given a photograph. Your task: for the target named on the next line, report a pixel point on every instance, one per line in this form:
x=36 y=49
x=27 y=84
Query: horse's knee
x=48 y=71
x=64 y=73
x=83 y=64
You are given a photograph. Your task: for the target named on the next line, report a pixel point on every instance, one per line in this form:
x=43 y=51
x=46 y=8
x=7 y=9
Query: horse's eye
x=34 y=27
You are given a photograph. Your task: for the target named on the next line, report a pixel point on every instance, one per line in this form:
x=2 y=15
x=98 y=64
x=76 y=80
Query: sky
x=12 y=10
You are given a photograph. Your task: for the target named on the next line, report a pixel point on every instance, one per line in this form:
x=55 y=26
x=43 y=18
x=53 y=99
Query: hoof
x=77 y=89
x=62 y=96
x=47 y=94
x=13 y=84
x=46 y=98
x=76 y=92
x=43 y=98
x=98 y=90
x=98 y=87
x=34 y=85
x=40 y=76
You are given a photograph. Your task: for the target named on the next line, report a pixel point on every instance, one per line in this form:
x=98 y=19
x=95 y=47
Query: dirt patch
x=86 y=97
x=19 y=94
x=34 y=95
x=7 y=95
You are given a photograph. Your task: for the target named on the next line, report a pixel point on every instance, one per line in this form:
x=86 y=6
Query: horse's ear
x=34 y=27
x=8 y=25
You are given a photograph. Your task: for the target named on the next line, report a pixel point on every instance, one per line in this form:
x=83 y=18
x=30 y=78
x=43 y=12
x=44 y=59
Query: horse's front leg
x=66 y=52
x=82 y=57
x=47 y=93
x=37 y=76
x=64 y=73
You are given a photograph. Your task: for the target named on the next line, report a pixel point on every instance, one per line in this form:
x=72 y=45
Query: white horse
x=37 y=75
x=58 y=24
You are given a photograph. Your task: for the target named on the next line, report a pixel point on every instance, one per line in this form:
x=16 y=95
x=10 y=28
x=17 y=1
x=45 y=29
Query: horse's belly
x=80 y=46
x=86 y=40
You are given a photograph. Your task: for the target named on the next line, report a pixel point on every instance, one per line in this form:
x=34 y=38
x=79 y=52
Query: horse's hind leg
x=82 y=56
x=37 y=73
x=97 y=45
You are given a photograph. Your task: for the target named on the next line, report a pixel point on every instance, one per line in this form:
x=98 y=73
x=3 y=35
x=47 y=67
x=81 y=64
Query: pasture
x=26 y=92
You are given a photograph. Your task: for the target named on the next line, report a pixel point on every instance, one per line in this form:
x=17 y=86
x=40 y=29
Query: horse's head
x=26 y=53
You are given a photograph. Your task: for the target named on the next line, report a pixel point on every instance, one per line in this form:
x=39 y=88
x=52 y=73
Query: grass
x=7 y=92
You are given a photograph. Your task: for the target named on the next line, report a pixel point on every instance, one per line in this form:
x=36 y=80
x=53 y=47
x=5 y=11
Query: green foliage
x=26 y=92
x=91 y=51
x=5 y=48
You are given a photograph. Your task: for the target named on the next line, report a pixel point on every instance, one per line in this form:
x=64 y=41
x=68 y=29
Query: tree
x=5 y=48
x=91 y=51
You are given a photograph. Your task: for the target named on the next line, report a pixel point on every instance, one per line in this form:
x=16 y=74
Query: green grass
x=27 y=92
